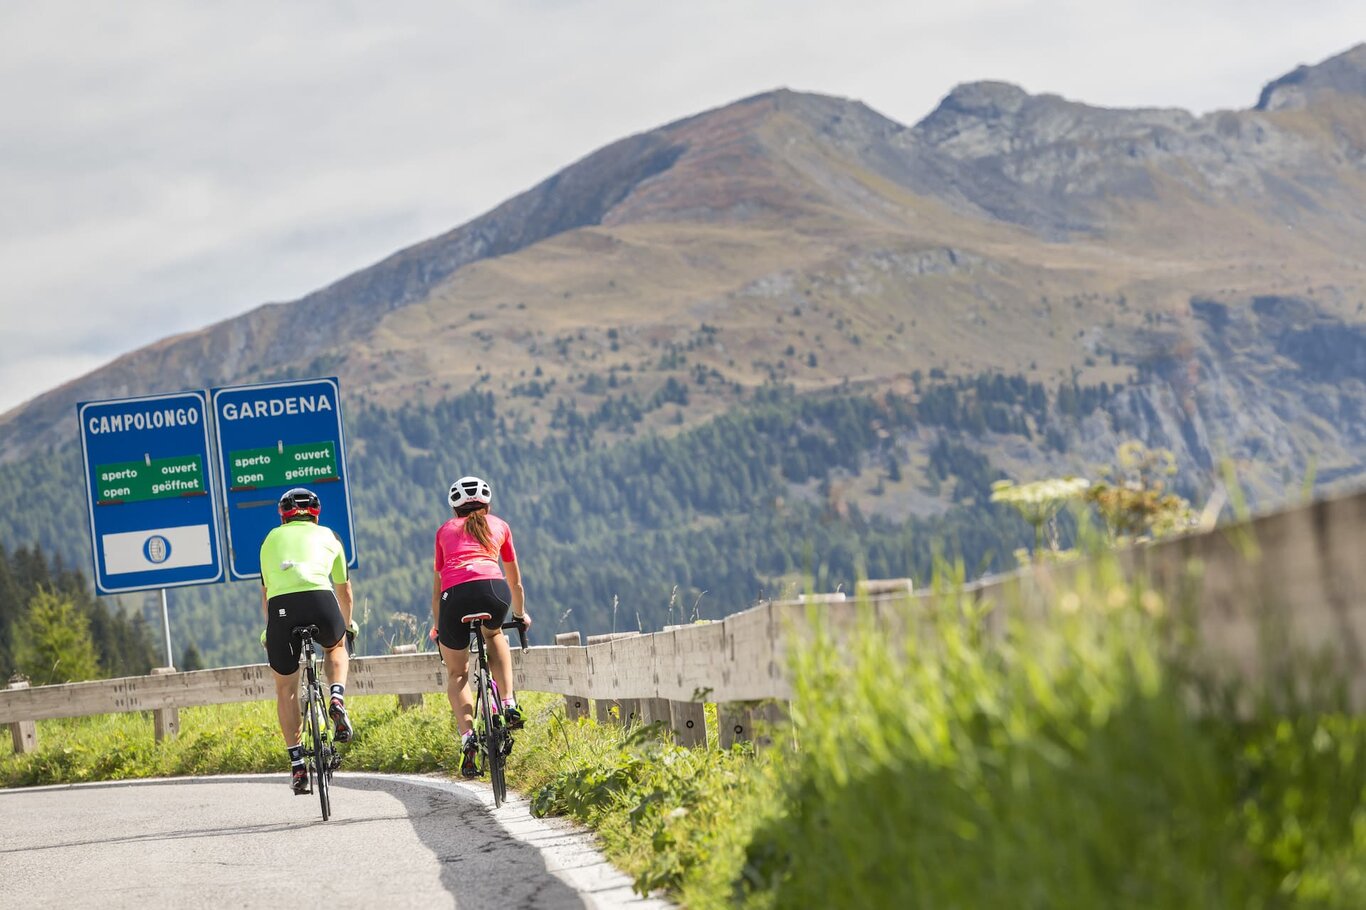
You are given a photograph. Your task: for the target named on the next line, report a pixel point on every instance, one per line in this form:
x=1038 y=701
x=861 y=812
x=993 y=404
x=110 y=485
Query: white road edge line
x=570 y=853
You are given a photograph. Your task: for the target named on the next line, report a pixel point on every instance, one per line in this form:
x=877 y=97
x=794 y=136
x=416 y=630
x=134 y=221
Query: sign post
x=153 y=512
x=272 y=437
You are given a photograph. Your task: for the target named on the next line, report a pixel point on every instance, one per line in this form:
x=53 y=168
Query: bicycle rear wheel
x=497 y=768
x=320 y=760
x=492 y=741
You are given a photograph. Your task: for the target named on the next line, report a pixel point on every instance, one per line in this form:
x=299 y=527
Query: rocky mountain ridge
x=1004 y=231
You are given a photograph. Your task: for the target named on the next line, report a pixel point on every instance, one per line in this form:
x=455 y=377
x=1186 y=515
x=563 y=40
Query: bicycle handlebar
x=513 y=624
x=521 y=631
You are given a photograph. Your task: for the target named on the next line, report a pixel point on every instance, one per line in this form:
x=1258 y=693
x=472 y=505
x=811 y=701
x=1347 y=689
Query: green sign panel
x=151 y=478
x=283 y=466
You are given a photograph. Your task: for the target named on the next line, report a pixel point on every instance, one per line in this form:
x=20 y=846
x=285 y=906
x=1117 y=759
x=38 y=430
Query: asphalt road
x=246 y=841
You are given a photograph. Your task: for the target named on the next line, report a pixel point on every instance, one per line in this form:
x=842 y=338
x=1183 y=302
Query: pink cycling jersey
x=459 y=558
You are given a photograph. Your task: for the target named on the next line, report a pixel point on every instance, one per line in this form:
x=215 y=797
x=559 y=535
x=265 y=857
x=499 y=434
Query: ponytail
x=477 y=525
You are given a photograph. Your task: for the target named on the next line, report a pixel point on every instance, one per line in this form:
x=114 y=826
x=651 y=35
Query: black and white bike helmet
x=299 y=502
x=470 y=490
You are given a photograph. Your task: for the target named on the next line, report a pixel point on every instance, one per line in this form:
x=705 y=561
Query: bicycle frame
x=491 y=733
x=320 y=756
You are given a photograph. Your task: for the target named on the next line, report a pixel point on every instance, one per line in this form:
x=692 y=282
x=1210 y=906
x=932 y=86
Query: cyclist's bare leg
x=337 y=662
x=287 y=707
x=500 y=660
x=458 y=687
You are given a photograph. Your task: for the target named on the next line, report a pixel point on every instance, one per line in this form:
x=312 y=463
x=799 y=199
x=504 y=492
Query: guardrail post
x=655 y=710
x=770 y=717
x=165 y=721
x=688 y=719
x=409 y=700
x=749 y=720
x=575 y=706
x=732 y=724
x=24 y=732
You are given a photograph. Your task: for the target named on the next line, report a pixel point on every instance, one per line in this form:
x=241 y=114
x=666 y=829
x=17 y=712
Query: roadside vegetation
x=227 y=739
x=1076 y=761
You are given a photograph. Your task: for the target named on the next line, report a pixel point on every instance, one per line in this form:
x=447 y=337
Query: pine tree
x=52 y=641
x=11 y=607
x=190 y=659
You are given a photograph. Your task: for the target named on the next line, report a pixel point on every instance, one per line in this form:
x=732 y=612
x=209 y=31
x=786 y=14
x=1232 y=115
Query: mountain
x=1031 y=280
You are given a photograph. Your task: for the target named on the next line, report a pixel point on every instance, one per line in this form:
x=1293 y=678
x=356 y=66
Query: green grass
x=672 y=817
x=1078 y=760
x=229 y=739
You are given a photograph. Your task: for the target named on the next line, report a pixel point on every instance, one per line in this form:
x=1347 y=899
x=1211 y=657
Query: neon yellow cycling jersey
x=301 y=556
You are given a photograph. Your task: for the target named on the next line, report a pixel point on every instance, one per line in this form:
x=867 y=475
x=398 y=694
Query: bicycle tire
x=318 y=732
x=497 y=766
x=317 y=757
x=497 y=745
x=491 y=742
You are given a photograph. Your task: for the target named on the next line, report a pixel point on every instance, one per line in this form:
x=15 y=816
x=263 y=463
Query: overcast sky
x=166 y=165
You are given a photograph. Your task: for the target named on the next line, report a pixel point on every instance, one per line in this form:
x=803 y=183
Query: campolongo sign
x=152 y=507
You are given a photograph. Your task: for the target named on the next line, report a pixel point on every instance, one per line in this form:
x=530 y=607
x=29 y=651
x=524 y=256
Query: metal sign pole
x=166 y=625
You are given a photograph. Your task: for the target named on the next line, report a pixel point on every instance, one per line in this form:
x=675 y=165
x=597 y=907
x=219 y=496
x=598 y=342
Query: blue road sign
x=153 y=511
x=272 y=437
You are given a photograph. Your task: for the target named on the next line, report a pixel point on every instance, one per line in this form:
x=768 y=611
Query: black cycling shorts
x=487 y=595
x=302 y=608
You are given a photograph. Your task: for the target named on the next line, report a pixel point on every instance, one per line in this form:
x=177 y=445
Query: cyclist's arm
x=265 y=605
x=341 y=583
x=343 y=590
x=436 y=601
x=514 y=579
x=513 y=572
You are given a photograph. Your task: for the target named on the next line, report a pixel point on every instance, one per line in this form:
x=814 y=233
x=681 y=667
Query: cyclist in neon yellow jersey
x=304 y=582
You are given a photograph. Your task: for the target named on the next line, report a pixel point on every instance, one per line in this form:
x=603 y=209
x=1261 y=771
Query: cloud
x=164 y=166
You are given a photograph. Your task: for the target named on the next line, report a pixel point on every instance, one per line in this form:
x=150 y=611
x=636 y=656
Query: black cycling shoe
x=513 y=716
x=469 y=766
x=340 y=722
x=298 y=781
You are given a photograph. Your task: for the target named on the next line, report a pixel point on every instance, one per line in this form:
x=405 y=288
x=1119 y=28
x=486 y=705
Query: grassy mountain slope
x=684 y=303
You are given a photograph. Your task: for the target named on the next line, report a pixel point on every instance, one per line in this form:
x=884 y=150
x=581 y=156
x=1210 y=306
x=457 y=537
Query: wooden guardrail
x=632 y=677
x=1284 y=583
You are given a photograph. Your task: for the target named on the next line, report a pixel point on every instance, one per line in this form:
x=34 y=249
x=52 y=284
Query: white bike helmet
x=470 y=490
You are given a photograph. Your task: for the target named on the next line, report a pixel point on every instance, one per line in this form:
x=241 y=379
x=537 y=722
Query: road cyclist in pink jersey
x=476 y=572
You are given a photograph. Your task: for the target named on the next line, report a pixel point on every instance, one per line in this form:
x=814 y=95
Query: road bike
x=493 y=739
x=320 y=752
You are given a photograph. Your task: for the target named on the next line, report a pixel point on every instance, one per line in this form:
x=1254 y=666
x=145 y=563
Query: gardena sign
x=271 y=438
x=153 y=513
x=275 y=407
